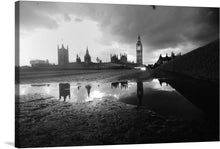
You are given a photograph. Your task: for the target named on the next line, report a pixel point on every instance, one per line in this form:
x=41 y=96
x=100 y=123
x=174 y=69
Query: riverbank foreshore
x=82 y=75
x=45 y=121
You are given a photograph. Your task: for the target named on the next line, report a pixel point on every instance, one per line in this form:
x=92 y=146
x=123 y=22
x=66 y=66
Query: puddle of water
x=155 y=94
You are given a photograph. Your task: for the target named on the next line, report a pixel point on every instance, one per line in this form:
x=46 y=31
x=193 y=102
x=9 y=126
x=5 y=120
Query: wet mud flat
x=45 y=121
x=103 y=110
x=81 y=75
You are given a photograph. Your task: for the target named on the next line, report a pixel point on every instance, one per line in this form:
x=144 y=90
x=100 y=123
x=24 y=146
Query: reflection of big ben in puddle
x=140 y=92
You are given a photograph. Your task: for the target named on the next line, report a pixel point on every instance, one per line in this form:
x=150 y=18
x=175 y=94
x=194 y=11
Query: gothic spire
x=139 y=38
x=87 y=51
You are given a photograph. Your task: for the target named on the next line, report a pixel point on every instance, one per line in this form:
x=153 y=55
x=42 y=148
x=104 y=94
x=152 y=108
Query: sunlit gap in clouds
x=77 y=35
x=108 y=29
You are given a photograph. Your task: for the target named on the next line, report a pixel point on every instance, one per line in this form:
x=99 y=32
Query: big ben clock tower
x=139 y=49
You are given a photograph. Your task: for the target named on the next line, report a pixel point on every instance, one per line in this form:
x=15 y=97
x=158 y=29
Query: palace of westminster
x=63 y=57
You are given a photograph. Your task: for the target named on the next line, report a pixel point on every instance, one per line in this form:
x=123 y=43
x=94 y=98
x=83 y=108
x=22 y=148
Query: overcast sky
x=107 y=29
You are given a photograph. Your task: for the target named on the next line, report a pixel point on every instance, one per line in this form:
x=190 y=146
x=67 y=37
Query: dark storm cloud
x=37 y=15
x=164 y=27
x=208 y=24
x=159 y=26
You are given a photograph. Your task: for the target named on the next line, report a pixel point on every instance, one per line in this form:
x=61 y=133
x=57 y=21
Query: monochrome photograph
x=113 y=74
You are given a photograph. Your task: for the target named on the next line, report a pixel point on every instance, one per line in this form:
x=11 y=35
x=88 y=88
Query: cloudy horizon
x=112 y=29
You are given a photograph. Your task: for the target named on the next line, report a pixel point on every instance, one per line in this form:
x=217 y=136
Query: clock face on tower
x=139 y=48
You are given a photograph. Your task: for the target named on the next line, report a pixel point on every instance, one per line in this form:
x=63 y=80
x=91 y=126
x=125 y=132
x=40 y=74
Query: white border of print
x=7 y=72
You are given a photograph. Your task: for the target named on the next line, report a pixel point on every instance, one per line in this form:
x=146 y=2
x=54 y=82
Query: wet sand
x=83 y=75
x=45 y=121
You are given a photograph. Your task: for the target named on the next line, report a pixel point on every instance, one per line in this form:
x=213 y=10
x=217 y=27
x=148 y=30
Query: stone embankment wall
x=201 y=63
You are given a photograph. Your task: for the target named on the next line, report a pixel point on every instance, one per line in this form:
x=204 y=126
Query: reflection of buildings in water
x=88 y=88
x=140 y=92
x=78 y=86
x=114 y=84
x=64 y=90
x=197 y=92
x=124 y=84
x=161 y=81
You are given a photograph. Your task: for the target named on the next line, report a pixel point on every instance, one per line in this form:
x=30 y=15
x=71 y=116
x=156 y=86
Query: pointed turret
x=139 y=38
x=87 y=57
x=87 y=51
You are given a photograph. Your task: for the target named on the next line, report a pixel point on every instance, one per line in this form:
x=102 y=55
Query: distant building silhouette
x=63 y=55
x=115 y=59
x=87 y=57
x=139 y=51
x=162 y=60
x=78 y=59
x=123 y=58
x=150 y=66
x=39 y=63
